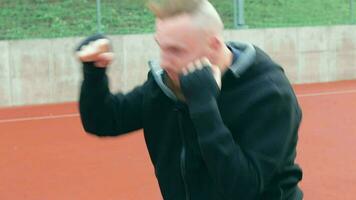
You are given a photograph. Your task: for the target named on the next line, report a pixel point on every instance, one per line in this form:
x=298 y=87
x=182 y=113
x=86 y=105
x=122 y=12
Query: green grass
x=63 y=18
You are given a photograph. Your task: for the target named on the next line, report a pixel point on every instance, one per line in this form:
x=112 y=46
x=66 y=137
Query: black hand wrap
x=199 y=87
x=90 y=70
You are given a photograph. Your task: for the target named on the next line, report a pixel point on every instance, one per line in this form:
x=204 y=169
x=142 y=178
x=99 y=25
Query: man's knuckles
x=91 y=52
x=102 y=45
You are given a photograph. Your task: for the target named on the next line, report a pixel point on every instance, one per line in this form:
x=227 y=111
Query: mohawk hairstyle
x=169 y=8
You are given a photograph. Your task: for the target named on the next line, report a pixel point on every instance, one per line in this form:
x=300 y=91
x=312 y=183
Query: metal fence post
x=352 y=11
x=98 y=16
x=239 y=19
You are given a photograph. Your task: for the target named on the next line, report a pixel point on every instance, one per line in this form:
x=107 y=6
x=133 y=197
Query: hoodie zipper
x=183 y=156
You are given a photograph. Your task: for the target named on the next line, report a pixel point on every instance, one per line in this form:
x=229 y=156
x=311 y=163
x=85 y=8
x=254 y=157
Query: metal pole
x=239 y=13
x=352 y=11
x=235 y=13
x=98 y=16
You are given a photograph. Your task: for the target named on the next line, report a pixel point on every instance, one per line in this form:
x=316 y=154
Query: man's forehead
x=176 y=31
x=176 y=22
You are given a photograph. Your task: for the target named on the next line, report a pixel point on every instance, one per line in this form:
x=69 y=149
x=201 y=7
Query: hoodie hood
x=157 y=73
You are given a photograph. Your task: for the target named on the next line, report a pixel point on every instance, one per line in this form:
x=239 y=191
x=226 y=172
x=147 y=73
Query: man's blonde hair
x=169 y=8
x=203 y=13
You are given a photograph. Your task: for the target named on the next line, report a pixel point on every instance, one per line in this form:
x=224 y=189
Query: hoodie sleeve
x=106 y=114
x=242 y=171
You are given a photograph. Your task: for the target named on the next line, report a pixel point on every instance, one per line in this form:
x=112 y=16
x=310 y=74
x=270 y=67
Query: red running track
x=45 y=154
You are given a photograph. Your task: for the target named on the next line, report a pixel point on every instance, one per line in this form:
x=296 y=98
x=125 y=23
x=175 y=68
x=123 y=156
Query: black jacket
x=240 y=146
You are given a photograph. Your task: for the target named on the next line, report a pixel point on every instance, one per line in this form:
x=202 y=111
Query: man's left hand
x=200 y=81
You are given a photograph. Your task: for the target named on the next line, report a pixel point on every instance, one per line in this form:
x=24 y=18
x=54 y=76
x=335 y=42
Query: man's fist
x=199 y=64
x=200 y=82
x=95 y=49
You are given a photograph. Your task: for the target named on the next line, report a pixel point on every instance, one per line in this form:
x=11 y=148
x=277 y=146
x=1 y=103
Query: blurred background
x=21 y=19
x=46 y=154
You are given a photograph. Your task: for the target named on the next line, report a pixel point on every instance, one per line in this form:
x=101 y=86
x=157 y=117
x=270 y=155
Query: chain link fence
x=282 y=13
x=64 y=18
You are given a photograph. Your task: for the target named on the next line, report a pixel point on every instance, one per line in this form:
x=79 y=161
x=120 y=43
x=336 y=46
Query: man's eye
x=175 y=50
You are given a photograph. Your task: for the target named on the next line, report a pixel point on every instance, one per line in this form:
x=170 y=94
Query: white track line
x=72 y=115
x=327 y=93
x=39 y=118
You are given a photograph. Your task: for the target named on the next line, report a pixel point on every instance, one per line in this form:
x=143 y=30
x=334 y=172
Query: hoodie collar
x=246 y=57
x=158 y=72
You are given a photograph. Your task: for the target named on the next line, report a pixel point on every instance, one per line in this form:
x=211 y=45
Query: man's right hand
x=97 y=51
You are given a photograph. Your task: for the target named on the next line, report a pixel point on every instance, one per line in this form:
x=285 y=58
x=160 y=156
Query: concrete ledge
x=46 y=71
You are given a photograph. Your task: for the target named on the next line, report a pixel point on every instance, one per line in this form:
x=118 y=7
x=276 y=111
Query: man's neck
x=225 y=59
x=173 y=86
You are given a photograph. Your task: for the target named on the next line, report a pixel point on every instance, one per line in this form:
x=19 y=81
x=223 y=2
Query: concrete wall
x=45 y=71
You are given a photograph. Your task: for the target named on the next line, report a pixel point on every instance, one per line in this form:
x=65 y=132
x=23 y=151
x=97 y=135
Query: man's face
x=180 y=43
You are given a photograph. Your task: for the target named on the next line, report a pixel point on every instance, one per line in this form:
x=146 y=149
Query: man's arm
x=103 y=113
x=240 y=172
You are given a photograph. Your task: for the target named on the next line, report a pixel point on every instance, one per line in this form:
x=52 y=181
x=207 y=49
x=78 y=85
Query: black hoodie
x=240 y=146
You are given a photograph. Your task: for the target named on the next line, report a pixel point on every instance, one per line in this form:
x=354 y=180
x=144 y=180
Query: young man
x=220 y=119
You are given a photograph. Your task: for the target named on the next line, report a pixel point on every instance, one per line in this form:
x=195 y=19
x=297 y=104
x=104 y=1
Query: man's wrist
x=92 y=72
x=201 y=105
